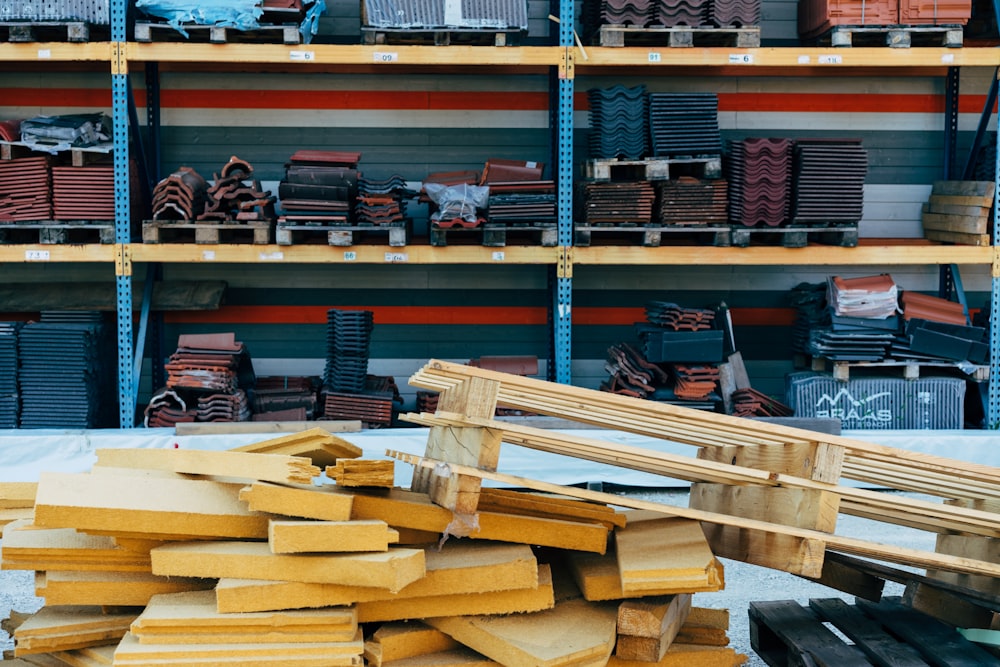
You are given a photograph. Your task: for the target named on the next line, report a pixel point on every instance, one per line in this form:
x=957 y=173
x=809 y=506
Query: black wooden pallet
x=845 y=236
x=497 y=235
x=651 y=236
x=51 y=31
x=884 y=634
x=341 y=235
x=441 y=37
x=654 y=169
x=48 y=232
x=209 y=233
x=148 y=31
x=615 y=35
x=895 y=36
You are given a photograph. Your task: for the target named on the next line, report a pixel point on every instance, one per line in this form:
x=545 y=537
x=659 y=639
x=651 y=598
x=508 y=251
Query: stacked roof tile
x=274 y=394
x=430 y=14
x=25 y=189
x=691 y=201
x=828 y=181
x=674 y=13
x=348 y=339
x=166 y=409
x=619 y=203
x=760 y=180
x=9 y=401
x=319 y=186
x=180 y=196
x=381 y=202
x=684 y=124
x=96 y=12
x=231 y=407
x=619 y=123
x=231 y=197
x=213 y=363
x=66 y=373
x=83 y=193
x=744 y=13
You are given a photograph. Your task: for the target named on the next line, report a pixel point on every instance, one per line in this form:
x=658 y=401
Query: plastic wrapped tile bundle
x=876 y=297
x=446 y=14
x=96 y=12
x=239 y=14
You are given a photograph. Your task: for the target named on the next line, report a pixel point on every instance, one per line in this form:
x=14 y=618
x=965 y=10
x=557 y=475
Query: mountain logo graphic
x=844 y=406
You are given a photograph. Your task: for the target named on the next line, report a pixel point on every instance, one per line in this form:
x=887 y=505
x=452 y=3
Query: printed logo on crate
x=879 y=402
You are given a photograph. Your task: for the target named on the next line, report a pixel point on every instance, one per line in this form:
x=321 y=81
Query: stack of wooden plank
x=960 y=212
x=16 y=501
x=254 y=557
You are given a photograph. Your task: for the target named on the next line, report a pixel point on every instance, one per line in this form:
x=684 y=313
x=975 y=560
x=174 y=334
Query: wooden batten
x=291 y=537
x=473 y=446
x=459 y=567
x=647 y=626
x=321 y=503
x=953 y=609
x=362 y=472
x=398 y=640
x=574 y=632
x=320 y=446
x=688 y=655
x=391 y=570
x=548 y=506
x=131 y=652
x=110 y=588
x=252 y=466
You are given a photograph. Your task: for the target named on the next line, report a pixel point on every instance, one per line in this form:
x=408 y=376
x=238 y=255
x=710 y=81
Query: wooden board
x=688 y=655
x=357 y=472
x=292 y=537
x=654 y=551
x=253 y=466
x=65 y=628
x=572 y=632
x=110 y=588
x=391 y=570
x=27 y=547
x=536 y=504
x=145 y=506
x=647 y=627
x=224 y=428
x=400 y=640
x=598 y=578
x=309 y=503
x=316 y=443
x=17 y=494
x=959 y=224
x=459 y=567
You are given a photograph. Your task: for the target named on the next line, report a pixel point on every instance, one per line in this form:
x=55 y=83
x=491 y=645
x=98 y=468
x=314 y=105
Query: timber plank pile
x=235 y=557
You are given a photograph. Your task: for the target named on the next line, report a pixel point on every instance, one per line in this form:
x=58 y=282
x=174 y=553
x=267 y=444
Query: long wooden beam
x=901 y=469
x=893 y=509
x=849 y=545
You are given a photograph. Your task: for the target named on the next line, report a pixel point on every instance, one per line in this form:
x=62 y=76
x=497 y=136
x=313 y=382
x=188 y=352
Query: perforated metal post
x=563 y=293
x=993 y=404
x=120 y=89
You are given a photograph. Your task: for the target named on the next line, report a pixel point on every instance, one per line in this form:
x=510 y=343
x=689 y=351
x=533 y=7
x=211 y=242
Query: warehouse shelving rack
x=564 y=61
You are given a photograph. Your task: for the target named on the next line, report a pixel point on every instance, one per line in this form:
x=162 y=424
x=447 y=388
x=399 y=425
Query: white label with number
x=350 y=255
x=804 y=60
x=499 y=256
x=303 y=56
x=948 y=58
x=397 y=257
x=271 y=256
x=386 y=56
x=654 y=56
x=208 y=255
x=741 y=59
x=44 y=54
x=830 y=60
x=37 y=256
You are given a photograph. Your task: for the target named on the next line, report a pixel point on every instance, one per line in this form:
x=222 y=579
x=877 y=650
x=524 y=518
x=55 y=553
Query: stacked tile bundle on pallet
x=619 y=122
x=349 y=392
x=760 y=179
x=381 y=202
x=684 y=124
x=828 y=181
x=319 y=187
x=95 y=12
x=9 y=399
x=417 y=15
x=231 y=198
x=25 y=189
x=83 y=193
x=692 y=201
x=180 y=196
x=624 y=203
x=278 y=398
x=66 y=375
x=208 y=378
x=517 y=192
x=734 y=12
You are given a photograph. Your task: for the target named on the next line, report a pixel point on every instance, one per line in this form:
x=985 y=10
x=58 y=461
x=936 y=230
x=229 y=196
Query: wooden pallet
x=888 y=633
x=465 y=36
x=911 y=370
x=340 y=235
x=49 y=31
x=53 y=232
x=959 y=212
x=185 y=231
x=615 y=35
x=653 y=169
x=845 y=236
x=11 y=150
x=652 y=236
x=266 y=34
x=497 y=236
x=895 y=36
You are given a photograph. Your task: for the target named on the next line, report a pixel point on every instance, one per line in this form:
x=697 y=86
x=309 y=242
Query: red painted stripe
x=454 y=315
x=475 y=101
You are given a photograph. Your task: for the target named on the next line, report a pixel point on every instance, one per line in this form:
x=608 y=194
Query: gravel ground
x=744 y=583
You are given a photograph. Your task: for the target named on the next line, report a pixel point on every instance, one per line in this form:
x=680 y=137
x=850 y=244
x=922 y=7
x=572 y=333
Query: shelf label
x=397 y=257
x=741 y=59
x=303 y=56
x=830 y=60
x=350 y=255
x=37 y=256
x=208 y=256
x=654 y=56
x=44 y=54
x=804 y=60
x=948 y=58
x=386 y=56
x=499 y=256
x=271 y=256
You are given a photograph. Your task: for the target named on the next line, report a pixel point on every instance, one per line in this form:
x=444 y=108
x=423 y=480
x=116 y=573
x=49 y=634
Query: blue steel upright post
x=120 y=89
x=563 y=293
x=993 y=404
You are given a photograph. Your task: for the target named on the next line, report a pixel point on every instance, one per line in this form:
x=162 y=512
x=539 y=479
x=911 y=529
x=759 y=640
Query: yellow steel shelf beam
x=357 y=254
x=57 y=253
x=42 y=52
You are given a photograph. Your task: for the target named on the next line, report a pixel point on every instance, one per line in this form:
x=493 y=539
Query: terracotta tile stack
x=760 y=179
